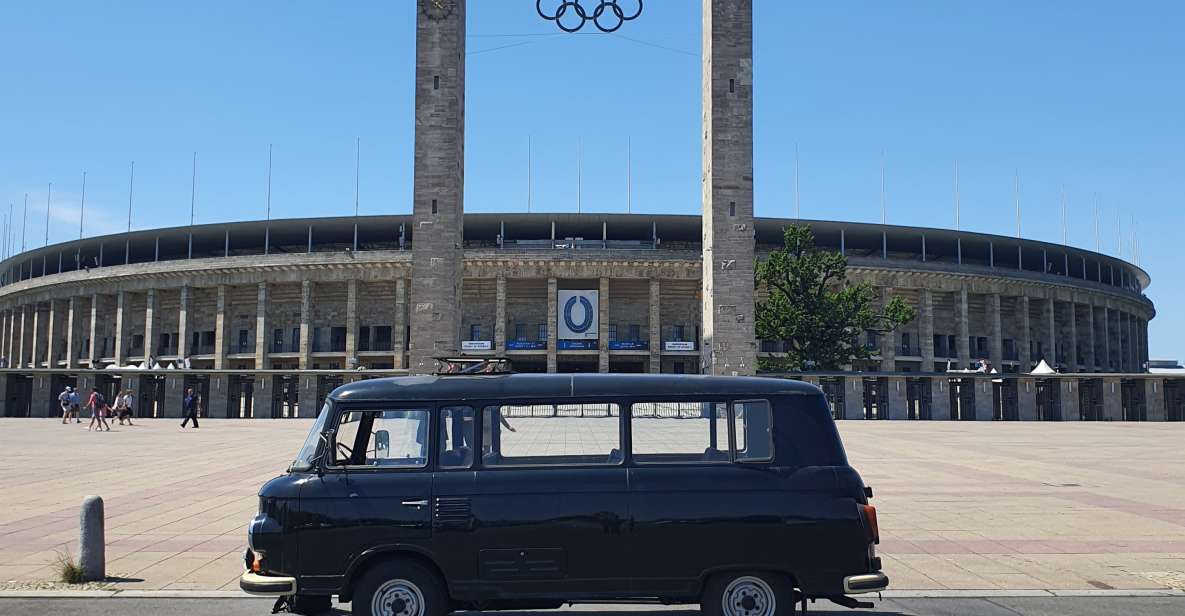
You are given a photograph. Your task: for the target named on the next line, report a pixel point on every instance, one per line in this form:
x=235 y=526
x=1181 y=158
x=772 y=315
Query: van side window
x=382 y=438
x=753 y=426
x=456 y=437
x=551 y=434
x=667 y=432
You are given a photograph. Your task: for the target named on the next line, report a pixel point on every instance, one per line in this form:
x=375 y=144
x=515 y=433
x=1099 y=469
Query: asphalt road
x=1003 y=606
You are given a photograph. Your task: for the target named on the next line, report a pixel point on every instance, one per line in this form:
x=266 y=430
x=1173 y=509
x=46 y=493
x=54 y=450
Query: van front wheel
x=748 y=594
x=399 y=588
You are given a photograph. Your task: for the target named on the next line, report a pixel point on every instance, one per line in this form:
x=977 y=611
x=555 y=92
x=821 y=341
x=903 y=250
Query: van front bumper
x=267 y=585
x=867 y=582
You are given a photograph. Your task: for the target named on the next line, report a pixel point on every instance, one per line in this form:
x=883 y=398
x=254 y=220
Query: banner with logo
x=577 y=315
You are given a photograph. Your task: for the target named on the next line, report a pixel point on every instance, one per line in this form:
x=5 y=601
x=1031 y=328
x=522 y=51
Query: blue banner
x=629 y=345
x=526 y=345
x=577 y=345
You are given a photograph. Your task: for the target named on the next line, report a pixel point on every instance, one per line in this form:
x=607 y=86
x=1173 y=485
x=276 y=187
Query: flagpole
x=629 y=177
x=192 y=202
x=48 y=194
x=131 y=187
x=883 y=217
x=25 y=223
x=82 y=206
x=1064 y=223
x=957 y=204
x=1016 y=193
x=357 y=185
x=267 y=230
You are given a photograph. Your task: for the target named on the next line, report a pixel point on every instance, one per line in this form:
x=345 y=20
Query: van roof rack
x=454 y=366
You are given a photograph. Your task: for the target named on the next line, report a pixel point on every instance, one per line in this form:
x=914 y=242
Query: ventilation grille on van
x=452 y=512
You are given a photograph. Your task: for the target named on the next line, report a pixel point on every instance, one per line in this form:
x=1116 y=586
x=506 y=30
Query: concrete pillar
x=1121 y=339
x=220 y=330
x=1089 y=357
x=1112 y=399
x=898 y=401
x=1070 y=399
x=655 y=326
x=52 y=331
x=121 y=346
x=306 y=402
x=1026 y=335
x=92 y=542
x=1050 y=320
x=174 y=396
x=150 y=334
x=23 y=349
x=262 y=335
x=500 y=316
x=552 y=298
x=603 y=329
x=399 y=333
x=1026 y=399
x=984 y=399
x=35 y=343
x=939 y=398
x=306 y=324
x=888 y=342
x=996 y=348
x=11 y=343
x=71 y=333
x=926 y=328
x=962 y=343
x=730 y=345
x=183 y=324
x=1106 y=363
x=3 y=338
x=438 y=185
x=218 y=402
x=352 y=324
x=853 y=397
x=1154 y=395
x=1072 y=343
x=43 y=401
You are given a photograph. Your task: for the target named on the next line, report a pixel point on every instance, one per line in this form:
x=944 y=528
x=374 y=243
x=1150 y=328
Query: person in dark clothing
x=190 y=407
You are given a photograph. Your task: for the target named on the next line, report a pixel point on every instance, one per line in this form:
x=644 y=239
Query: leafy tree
x=813 y=307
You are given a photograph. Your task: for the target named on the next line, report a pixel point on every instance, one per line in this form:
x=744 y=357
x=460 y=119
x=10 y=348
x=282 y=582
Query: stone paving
x=974 y=505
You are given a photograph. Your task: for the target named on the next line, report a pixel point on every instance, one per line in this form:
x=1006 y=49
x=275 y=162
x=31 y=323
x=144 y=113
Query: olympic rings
x=584 y=324
x=614 y=16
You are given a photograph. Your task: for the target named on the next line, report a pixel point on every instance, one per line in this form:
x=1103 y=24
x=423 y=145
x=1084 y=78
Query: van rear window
x=551 y=434
x=667 y=432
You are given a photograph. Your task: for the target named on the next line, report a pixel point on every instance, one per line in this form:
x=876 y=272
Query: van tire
x=755 y=588
x=396 y=583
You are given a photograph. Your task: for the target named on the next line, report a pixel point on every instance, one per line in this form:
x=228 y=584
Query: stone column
x=438 y=185
x=261 y=396
x=1050 y=332
x=306 y=325
x=730 y=345
x=1121 y=339
x=218 y=403
x=1026 y=399
x=23 y=350
x=92 y=352
x=150 y=342
x=399 y=335
x=603 y=326
x=552 y=298
x=52 y=327
x=121 y=351
x=12 y=358
x=71 y=332
x=1112 y=399
x=1072 y=343
x=1106 y=339
x=996 y=350
x=261 y=334
x=3 y=336
x=352 y=323
x=1069 y=397
x=888 y=342
x=35 y=345
x=1026 y=335
x=853 y=397
x=926 y=328
x=1090 y=360
x=654 y=326
x=985 y=399
x=500 y=317
x=939 y=398
x=174 y=396
x=962 y=343
x=1154 y=396
x=220 y=330
x=42 y=401
x=183 y=324
x=898 y=400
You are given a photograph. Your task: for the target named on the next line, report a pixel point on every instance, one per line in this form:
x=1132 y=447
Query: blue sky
x=1082 y=95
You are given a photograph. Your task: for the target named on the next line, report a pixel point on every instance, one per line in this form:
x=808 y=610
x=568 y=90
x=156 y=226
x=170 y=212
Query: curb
x=888 y=594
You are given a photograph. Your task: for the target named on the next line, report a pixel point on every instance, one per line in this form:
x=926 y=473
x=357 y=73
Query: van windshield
x=308 y=452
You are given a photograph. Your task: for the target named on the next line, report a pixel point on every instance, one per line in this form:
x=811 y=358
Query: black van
x=416 y=496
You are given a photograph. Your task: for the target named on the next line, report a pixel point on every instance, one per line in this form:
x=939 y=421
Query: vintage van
x=416 y=496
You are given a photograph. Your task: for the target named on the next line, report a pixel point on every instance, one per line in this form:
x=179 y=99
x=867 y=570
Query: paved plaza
x=963 y=505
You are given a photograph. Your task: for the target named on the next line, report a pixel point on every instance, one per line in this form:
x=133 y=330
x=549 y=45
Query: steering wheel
x=342 y=448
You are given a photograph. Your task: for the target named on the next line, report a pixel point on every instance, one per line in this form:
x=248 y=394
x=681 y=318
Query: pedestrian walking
x=75 y=404
x=190 y=406
x=98 y=405
x=64 y=402
x=123 y=406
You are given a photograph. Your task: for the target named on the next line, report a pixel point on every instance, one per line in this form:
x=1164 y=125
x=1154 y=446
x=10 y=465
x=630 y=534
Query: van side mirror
x=382 y=442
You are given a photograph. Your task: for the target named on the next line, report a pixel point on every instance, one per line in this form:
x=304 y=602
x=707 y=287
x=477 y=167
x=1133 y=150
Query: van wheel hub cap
x=748 y=596
x=397 y=598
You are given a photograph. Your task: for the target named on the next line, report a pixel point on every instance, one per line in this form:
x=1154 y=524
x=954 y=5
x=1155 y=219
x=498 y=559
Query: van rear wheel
x=399 y=588
x=748 y=594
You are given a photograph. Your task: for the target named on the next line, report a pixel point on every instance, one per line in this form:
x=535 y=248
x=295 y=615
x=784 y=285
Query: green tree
x=812 y=306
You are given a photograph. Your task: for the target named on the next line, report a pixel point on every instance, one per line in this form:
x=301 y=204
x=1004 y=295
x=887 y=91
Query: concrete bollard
x=91 y=540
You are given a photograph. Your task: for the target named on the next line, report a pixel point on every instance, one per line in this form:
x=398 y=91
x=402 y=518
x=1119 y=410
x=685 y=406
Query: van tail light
x=874 y=531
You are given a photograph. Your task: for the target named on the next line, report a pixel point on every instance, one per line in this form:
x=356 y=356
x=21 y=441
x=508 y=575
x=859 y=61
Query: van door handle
x=415 y=503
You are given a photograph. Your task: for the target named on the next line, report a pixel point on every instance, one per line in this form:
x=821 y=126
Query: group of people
x=101 y=410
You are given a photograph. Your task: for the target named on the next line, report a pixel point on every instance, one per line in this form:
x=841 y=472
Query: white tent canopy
x=1043 y=368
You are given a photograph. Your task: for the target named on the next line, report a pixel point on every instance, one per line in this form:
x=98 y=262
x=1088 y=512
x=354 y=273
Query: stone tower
x=729 y=345
x=439 y=183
